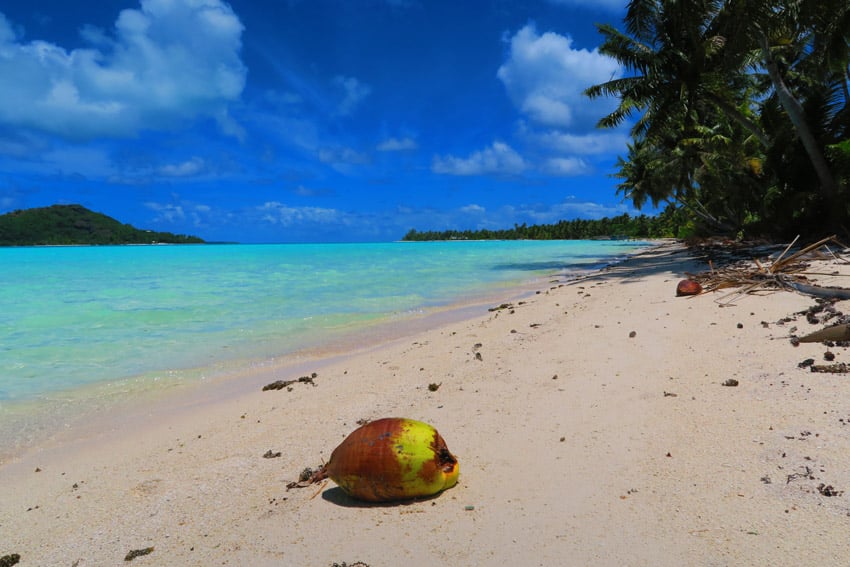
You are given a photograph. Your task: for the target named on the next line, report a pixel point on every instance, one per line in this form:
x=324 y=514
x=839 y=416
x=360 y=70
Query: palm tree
x=696 y=66
x=803 y=47
x=674 y=52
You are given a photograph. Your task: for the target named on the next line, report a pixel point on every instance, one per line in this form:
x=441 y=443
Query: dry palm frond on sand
x=787 y=272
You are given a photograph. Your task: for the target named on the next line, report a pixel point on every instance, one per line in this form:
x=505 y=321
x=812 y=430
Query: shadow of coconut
x=337 y=496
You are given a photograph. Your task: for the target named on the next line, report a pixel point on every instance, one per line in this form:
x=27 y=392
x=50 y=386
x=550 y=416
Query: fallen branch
x=838 y=293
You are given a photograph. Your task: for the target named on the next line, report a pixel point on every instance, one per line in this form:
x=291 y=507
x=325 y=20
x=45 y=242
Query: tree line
x=668 y=224
x=75 y=224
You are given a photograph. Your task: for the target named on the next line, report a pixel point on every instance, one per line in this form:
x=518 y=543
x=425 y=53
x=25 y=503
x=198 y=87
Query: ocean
x=79 y=323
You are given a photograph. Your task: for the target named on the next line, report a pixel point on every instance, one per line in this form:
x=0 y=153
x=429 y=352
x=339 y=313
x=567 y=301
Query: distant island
x=665 y=225
x=75 y=224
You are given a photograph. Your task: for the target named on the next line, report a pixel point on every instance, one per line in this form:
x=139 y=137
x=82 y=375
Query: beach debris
x=806 y=363
x=501 y=307
x=9 y=560
x=829 y=356
x=838 y=368
x=670 y=395
x=730 y=382
x=632 y=334
x=281 y=384
x=272 y=454
x=306 y=474
x=806 y=474
x=305 y=478
x=828 y=490
x=834 y=333
x=822 y=312
x=433 y=386
x=355 y=564
x=688 y=287
x=475 y=348
x=133 y=553
x=391 y=459
x=787 y=272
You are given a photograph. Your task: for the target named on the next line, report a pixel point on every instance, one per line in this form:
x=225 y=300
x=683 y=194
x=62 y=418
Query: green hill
x=75 y=224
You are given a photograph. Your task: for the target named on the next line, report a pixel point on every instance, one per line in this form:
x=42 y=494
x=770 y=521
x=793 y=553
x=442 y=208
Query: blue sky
x=308 y=120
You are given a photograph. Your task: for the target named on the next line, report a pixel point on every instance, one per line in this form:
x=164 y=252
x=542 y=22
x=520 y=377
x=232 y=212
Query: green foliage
x=741 y=111
x=74 y=224
x=669 y=224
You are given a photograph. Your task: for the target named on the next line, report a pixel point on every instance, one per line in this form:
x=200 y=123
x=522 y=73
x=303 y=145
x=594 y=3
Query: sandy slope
x=579 y=445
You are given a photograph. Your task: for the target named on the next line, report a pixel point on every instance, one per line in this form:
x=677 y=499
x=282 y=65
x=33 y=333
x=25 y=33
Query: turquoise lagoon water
x=73 y=317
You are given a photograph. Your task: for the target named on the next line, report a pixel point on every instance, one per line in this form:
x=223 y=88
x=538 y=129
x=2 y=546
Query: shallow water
x=77 y=322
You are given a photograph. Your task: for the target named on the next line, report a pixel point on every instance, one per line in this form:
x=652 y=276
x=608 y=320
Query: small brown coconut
x=688 y=287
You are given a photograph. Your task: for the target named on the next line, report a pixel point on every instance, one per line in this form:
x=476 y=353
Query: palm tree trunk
x=828 y=184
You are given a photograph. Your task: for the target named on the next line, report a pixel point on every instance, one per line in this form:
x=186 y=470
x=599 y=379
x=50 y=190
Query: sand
x=589 y=419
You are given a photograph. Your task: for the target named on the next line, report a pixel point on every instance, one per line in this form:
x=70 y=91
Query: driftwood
x=838 y=293
x=835 y=333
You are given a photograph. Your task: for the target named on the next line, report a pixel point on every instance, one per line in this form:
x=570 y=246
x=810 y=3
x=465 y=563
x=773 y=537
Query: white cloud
x=595 y=143
x=274 y=212
x=498 y=159
x=180 y=215
x=586 y=210
x=187 y=168
x=397 y=145
x=566 y=166
x=473 y=209
x=164 y=63
x=354 y=92
x=167 y=212
x=545 y=78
